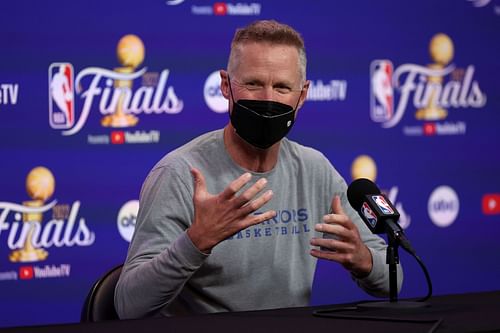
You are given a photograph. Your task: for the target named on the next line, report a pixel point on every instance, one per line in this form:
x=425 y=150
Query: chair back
x=100 y=302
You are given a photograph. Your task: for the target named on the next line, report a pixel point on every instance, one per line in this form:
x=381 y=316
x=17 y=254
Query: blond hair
x=268 y=31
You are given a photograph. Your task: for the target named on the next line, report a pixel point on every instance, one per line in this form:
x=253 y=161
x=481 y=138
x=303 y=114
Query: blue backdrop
x=405 y=93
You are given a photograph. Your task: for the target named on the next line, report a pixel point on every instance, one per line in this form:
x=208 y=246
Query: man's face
x=265 y=72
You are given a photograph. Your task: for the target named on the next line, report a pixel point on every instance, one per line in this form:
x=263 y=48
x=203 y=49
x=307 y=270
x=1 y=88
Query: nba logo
x=381 y=97
x=368 y=214
x=61 y=96
x=382 y=204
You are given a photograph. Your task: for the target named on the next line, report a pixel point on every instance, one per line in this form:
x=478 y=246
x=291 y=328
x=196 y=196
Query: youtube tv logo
x=491 y=204
x=429 y=129
x=220 y=8
x=26 y=272
x=117 y=137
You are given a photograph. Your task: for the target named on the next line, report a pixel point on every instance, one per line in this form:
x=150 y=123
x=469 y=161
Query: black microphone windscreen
x=358 y=189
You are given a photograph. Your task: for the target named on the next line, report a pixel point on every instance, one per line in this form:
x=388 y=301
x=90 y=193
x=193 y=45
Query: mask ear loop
x=232 y=97
x=230 y=89
x=297 y=105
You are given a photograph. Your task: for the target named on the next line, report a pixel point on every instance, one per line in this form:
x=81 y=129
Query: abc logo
x=443 y=206
x=126 y=219
x=213 y=96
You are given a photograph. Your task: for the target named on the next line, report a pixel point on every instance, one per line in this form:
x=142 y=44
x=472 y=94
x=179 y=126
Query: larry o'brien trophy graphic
x=130 y=53
x=441 y=52
x=28 y=237
x=40 y=185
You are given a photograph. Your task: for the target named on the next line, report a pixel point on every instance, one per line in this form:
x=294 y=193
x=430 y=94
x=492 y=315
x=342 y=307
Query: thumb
x=337 y=206
x=199 y=182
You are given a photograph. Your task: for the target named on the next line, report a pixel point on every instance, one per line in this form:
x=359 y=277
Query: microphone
x=377 y=211
x=380 y=215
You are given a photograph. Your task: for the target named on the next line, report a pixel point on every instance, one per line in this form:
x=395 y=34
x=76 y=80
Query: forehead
x=266 y=61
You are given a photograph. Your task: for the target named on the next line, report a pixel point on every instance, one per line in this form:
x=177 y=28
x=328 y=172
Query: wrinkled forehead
x=249 y=57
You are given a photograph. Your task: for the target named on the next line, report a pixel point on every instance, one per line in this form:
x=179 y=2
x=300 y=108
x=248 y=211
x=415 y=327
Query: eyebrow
x=276 y=83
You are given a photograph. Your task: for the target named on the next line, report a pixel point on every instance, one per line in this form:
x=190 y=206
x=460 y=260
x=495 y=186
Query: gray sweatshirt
x=262 y=267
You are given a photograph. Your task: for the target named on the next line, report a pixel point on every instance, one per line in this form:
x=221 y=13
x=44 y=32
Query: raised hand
x=346 y=246
x=219 y=216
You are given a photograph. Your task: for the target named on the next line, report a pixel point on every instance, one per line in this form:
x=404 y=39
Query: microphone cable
x=405 y=244
x=427 y=276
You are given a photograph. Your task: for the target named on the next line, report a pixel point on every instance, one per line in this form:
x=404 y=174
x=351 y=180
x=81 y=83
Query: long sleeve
x=161 y=257
x=264 y=266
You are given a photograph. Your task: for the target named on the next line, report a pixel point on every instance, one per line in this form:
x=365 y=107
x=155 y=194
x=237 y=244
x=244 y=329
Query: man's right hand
x=217 y=217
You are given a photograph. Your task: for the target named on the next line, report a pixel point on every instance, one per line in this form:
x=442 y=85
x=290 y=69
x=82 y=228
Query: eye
x=282 y=89
x=252 y=85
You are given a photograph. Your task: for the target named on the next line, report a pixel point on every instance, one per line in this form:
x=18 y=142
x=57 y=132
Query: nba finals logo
x=62 y=100
x=28 y=237
x=112 y=90
x=433 y=90
x=382 y=106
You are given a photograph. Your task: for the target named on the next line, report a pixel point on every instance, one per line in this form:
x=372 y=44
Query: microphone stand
x=394 y=237
x=392 y=259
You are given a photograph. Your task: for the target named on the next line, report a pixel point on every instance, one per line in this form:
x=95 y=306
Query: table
x=471 y=312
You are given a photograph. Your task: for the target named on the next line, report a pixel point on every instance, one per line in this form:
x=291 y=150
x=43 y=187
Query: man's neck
x=247 y=156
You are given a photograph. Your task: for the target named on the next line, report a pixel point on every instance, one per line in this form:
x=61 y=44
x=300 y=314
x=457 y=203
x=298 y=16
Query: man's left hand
x=346 y=247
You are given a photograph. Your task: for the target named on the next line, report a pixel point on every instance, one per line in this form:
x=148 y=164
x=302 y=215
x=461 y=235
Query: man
x=226 y=221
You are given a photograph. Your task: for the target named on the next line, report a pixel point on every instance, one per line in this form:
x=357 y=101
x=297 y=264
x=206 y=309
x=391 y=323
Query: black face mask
x=262 y=123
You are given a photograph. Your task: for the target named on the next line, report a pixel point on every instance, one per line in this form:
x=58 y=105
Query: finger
x=336 y=218
x=337 y=206
x=251 y=192
x=256 y=219
x=254 y=205
x=332 y=244
x=329 y=255
x=235 y=186
x=336 y=230
x=338 y=215
x=200 y=186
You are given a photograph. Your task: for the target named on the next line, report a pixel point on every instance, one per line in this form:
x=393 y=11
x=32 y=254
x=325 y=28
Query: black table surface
x=471 y=312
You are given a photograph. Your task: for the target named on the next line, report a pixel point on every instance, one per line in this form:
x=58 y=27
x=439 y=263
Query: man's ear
x=224 y=84
x=303 y=94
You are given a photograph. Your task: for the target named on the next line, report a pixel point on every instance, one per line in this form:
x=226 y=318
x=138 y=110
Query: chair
x=99 y=304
